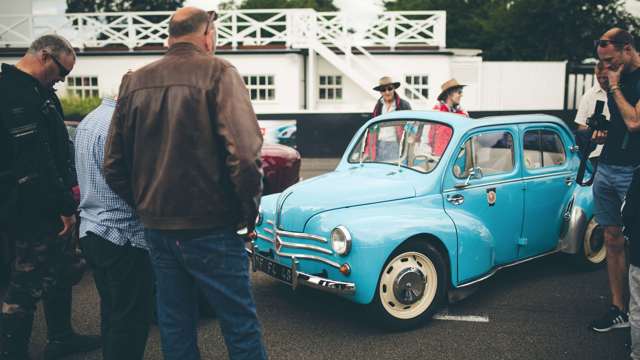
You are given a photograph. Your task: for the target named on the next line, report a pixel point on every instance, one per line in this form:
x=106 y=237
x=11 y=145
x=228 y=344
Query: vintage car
x=424 y=205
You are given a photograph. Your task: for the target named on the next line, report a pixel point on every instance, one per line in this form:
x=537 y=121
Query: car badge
x=491 y=196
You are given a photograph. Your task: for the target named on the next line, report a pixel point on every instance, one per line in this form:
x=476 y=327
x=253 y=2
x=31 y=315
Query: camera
x=597 y=121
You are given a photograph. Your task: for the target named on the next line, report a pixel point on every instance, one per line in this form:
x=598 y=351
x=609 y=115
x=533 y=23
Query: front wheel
x=411 y=287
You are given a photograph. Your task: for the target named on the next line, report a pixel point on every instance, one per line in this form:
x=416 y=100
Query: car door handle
x=455 y=199
x=568 y=180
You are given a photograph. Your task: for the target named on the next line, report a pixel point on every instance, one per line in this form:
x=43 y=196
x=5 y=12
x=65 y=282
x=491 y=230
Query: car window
x=543 y=148
x=414 y=144
x=491 y=152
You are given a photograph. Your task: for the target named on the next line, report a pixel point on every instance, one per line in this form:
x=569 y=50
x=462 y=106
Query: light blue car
x=424 y=205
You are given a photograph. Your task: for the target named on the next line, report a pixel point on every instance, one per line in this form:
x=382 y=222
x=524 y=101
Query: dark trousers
x=123 y=278
x=214 y=261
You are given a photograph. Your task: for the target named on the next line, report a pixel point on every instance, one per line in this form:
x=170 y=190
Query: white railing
x=236 y=28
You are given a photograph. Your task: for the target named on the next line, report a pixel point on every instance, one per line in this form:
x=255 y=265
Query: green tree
x=527 y=29
x=81 y=6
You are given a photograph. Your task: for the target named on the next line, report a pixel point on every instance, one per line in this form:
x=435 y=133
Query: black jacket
x=631 y=217
x=35 y=176
x=401 y=104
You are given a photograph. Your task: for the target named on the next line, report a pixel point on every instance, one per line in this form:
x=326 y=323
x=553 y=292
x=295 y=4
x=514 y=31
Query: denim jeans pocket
x=219 y=250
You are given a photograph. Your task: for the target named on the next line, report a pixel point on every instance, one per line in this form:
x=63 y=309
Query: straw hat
x=449 y=84
x=386 y=81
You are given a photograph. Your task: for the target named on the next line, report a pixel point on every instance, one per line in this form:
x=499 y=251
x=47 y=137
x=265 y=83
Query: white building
x=297 y=60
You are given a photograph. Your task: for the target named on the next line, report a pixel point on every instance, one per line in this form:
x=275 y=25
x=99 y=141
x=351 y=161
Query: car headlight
x=341 y=240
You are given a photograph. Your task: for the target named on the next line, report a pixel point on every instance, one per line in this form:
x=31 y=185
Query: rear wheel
x=593 y=251
x=411 y=286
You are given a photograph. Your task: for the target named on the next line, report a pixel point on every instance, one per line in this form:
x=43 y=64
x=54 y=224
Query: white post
x=312 y=74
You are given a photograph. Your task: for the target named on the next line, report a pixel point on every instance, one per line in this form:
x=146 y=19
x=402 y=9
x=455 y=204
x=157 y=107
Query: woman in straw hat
x=384 y=144
x=448 y=101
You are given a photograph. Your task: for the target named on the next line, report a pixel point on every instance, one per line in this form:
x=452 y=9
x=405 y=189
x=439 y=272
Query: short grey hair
x=53 y=44
x=188 y=25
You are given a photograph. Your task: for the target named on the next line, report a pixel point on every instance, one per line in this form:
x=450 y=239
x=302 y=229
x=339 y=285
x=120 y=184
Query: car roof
x=464 y=123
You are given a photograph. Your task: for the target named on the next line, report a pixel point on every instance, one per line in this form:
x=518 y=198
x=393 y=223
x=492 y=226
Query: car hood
x=339 y=189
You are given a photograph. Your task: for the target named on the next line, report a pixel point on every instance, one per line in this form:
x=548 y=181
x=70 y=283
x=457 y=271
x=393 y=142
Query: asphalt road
x=538 y=310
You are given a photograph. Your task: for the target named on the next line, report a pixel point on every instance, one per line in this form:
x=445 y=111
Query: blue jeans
x=215 y=262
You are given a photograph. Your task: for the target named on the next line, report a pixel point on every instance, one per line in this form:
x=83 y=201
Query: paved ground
x=539 y=310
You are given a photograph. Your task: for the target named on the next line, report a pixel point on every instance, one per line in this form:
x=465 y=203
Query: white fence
x=290 y=27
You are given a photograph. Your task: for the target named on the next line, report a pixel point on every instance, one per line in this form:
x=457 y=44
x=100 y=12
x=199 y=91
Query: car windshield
x=413 y=144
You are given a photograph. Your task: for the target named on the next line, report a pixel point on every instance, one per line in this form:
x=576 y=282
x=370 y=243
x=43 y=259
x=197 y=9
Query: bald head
x=187 y=21
x=619 y=38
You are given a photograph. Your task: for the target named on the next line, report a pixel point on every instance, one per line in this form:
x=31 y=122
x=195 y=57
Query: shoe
x=72 y=344
x=613 y=319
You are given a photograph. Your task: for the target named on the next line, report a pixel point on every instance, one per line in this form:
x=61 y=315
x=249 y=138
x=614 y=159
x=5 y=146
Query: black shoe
x=72 y=344
x=613 y=319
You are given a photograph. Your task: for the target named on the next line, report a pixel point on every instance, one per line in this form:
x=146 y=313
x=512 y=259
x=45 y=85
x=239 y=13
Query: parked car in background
x=425 y=204
x=280 y=164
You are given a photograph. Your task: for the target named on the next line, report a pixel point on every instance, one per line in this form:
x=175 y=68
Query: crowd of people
x=145 y=240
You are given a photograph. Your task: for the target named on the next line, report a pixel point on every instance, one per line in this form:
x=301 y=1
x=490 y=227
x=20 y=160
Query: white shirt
x=388 y=133
x=587 y=107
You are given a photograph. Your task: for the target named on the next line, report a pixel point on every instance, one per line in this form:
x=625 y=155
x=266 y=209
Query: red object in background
x=281 y=167
x=76 y=193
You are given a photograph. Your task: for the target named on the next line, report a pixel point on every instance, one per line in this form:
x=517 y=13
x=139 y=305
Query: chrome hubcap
x=409 y=286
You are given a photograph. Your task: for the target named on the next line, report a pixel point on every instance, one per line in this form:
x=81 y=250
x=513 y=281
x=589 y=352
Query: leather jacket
x=184 y=143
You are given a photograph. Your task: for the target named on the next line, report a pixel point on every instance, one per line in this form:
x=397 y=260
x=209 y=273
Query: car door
x=486 y=207
x=549 y=180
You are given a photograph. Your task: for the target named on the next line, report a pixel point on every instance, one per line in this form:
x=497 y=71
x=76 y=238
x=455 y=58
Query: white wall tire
x=411 y=286
x=593 y=246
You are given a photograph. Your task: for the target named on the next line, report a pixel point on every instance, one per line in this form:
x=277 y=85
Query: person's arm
x=630 y=114
x=116 y=165
x=238 y=128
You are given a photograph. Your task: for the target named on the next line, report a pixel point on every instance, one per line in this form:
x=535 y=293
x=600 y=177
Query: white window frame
x=82 y=90
x=410 y=80
x=331 y=86
x=253 y=83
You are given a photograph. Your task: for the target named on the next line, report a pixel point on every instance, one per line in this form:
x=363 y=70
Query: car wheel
x=593 y=251
x=411 y=287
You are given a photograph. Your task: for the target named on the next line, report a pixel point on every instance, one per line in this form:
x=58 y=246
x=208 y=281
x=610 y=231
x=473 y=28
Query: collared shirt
x=587 y=107
x=102 y=211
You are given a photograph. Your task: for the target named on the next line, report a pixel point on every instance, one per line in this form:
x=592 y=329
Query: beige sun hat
x=449 y=84
x=386 y=81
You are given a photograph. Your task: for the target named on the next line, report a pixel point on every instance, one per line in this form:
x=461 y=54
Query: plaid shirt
x=102 y=211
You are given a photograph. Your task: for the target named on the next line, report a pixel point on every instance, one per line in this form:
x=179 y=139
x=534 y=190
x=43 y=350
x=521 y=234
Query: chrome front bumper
x=313 y=281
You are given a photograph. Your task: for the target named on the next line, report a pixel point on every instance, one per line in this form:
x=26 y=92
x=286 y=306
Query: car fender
x=577 y=219
x=378 y=229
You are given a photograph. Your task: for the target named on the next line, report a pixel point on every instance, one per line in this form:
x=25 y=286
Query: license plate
x=273 y=269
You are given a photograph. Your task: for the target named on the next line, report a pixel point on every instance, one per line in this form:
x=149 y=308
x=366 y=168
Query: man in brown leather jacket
x=184 y=151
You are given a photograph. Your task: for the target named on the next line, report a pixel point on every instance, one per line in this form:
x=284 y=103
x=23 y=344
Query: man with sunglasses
x=190 y=167
x=620 y=156
x=36 y=204
x=384 y=143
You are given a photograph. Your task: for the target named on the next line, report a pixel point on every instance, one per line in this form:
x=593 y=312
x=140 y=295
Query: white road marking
x=470 y=318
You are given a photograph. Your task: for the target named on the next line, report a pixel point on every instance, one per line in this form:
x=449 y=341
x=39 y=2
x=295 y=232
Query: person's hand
x=614 y=75
x=599 y=136
x=68 y=222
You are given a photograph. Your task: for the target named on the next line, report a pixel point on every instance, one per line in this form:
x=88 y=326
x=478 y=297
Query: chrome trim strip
x=564 y=173
x=309 y=257
x=270 y=222
x=304 y=247
x=301 y=236
x=268 y=230
x=260 y=236
x=496 y=269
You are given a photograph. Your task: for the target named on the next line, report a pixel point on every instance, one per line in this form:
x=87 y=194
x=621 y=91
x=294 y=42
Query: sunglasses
x=388 y=88
x=213 y=16
x=62 y=71
x=605 y=42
